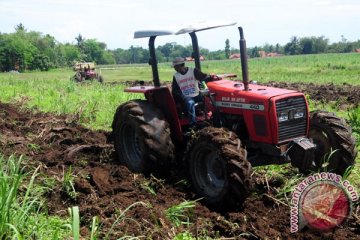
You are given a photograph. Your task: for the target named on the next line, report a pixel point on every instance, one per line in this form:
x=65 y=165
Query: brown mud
x=344 y=95
x=104 y=188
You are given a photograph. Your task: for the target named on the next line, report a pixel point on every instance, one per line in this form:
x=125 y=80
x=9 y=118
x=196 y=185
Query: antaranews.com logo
x=321 y=201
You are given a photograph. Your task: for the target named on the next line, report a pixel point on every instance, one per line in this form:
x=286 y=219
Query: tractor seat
x=199 y=109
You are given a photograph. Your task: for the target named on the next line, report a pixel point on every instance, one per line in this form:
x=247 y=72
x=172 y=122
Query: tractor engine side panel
x=254 y=113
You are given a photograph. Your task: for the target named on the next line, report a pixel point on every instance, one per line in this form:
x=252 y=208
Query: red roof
x=188 y=59
x=235 y=56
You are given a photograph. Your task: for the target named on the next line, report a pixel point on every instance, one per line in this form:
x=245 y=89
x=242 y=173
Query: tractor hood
x=261 y=108
x=234 y=89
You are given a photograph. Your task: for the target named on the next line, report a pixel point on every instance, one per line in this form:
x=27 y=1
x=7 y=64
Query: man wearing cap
x=185 y=86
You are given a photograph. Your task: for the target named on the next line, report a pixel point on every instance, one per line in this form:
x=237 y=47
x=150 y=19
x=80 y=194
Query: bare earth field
x=105 y=188
x=345 y=95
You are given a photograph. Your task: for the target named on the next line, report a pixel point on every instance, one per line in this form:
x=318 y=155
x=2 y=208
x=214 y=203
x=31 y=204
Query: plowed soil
x=344 y=96
x=104 y=188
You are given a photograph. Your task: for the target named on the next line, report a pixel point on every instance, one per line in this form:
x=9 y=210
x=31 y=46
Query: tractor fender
x=161 y=97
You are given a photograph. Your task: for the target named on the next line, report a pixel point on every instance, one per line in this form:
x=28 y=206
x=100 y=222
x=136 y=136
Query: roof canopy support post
x=196 y=52
x=153 y=61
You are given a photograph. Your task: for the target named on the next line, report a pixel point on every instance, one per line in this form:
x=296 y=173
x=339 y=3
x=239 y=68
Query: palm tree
x=80 y=41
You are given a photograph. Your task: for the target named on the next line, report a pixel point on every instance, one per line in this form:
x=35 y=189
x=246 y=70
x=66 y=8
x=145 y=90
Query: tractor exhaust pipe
x=243 y=57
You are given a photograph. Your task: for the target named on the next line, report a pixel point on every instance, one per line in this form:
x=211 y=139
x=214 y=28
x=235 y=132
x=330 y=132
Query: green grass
x=152 y=184
x=354 y=119
x=21 y=213
x=68 y=185
x=181 y=213
x=319 y=68
x=92 y=104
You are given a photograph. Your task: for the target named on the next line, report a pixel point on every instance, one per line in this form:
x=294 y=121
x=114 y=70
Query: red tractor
x=86 y=71
x=244 y=125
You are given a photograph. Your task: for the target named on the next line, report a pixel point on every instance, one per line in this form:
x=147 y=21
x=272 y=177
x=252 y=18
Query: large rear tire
x=336 y=148
x=142 y=137
x=219 y=170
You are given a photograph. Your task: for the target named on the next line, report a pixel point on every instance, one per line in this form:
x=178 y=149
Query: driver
x=185 y=86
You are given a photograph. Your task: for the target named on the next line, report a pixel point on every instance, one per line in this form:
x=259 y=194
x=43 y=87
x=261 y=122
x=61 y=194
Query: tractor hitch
x=302 y=153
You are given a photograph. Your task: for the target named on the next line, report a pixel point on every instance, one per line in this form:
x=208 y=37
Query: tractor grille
x=292 y=128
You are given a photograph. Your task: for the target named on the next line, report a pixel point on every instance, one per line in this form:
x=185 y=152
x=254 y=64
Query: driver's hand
x=215 y=77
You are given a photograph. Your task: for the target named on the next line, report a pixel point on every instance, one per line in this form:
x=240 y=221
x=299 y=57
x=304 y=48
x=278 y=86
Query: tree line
x=30 y=50
x=308 y=45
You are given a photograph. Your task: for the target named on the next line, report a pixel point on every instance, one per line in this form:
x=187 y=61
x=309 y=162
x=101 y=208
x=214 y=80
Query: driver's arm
x=200 y=76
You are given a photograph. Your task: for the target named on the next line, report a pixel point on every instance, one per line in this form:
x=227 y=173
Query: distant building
x=270 y=54
x=234 y=56
x=358 y=50
x=273 y=54
x=189 y=59
x=262 y=54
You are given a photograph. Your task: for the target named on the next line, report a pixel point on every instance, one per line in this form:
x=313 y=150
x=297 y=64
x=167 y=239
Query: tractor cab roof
x=151 y=33
x=202 y=26
x=188 y=29
x=191 y=30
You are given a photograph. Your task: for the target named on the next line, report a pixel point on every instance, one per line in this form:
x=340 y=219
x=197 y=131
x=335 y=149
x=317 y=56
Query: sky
x=115 y=21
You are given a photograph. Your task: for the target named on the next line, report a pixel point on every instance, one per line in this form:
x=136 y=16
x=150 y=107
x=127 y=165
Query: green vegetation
x=21 y=213
x=91 y=104
x=181 y=213
x=152 y=184
x=318 y=69
x=354 y=118
x=184 y=236
x=68 y=183
x=75 y=222
x=30 y=50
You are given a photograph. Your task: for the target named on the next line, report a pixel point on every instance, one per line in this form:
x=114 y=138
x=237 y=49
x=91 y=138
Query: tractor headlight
x=283 y=116
x=292 y=114
x=299 y=113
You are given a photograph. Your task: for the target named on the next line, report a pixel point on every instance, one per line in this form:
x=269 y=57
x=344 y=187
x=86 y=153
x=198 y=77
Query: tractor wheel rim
x=131 y=145
x=215 y=172
x=323 y=145
x=212 y=173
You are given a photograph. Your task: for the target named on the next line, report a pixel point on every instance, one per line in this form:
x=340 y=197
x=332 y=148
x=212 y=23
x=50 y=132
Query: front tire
x=76 y=77
x=142 y=137
x=335 y=143
x=100 y=78
x=218 y=167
